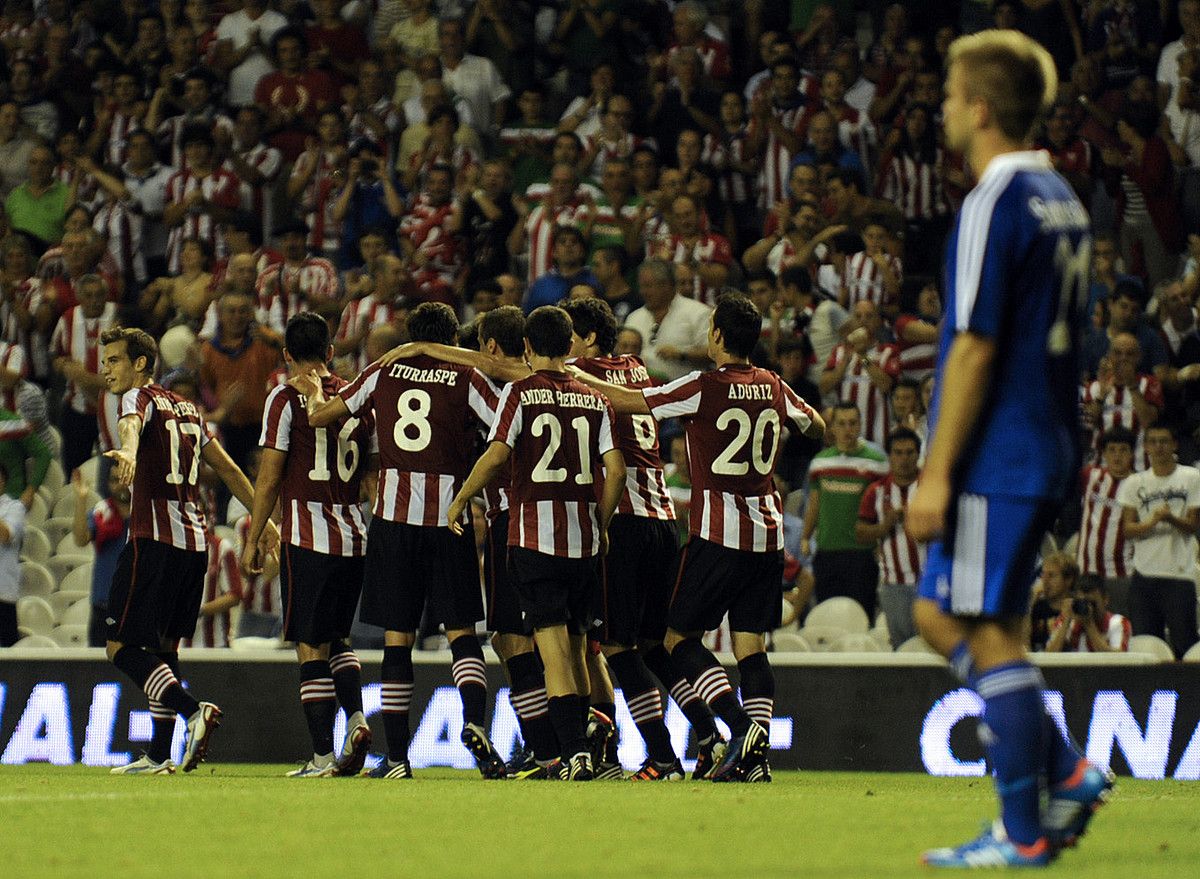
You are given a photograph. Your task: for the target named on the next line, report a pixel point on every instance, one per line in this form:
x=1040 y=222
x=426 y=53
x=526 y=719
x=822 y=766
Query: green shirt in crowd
x=840 y=479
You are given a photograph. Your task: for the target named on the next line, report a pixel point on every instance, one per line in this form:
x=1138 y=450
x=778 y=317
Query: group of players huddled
x=581 y=568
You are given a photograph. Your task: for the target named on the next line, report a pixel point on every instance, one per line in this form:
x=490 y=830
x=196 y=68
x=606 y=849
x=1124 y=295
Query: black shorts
x=156 y=593
x=409 y=565
x=636 y=579
x=319 y=593
x=715 y=580
x=499 y=582
x=553 y=590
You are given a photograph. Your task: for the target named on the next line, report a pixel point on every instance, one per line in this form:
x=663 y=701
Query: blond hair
x=1013 y=74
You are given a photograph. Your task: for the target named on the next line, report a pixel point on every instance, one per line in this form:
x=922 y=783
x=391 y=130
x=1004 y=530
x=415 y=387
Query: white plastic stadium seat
x=38 y=511
x=35 y=546
x=858 y=642
x=1193 y=655
x=67 y=546
x=77 y=614
x=844 y=613
x=821 y=638
x=55 y=477
x=61 y=566
x=915 y=644
x=64 y=503
x=882 y=638
x=79 y=579
x=790 y=642
x=36 y=579
x=70 y=636
x=1153 y=645
x=38 y=642
x=35 y=615
x=60 y=601
x=56 y=529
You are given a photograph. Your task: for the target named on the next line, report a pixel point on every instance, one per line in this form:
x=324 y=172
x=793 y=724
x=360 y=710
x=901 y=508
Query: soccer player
x=639 y=569
x=315 y=474
x=425 y=413
x=1005 y=437
x=733 y=563
x=159 y=581
x=557 y=433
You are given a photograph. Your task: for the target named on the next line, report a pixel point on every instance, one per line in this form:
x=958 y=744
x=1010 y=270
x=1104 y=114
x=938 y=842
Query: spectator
x=684 y=104
x=706 y=253
x=1121 y=397
x=1103 y=549
x=873 y=274
x=337 y=46
x=674 y=328
x=569 y=269
x=1125 y=316
x=1086 y=625
x=222 y=593
x=863 y=370
x=474 y=78
x=503 y=30
x=24 y=455
x=817 y=318
x=433 y=96
x=292 y=97
x=197 y=109
x=776 y=123
x=610 y=265
x=12 y=533
x=317 y=177
x=27 y=312
x=256 y=165
x=383 y=305
x=1161 y=510
x=1104 y=278
x=851 y=208
x=583 y=115
x=145 y=181
x=107 y=526
x=297 y=282
x=527 y=141
x=417 y=33
x=39 y=205
x=881 y=522
x=837 y=479
x=563 y=205
x=241 y=48
x=371 y=113
x=1051 y=596
x=15 y=147
x=613 y=140
x=76 y=348
x=911 y=175
x=1073 y=157
x=441 y=148
x=198 y=197
x=917 y=333
x=368 y=200
x=36 y=111
x=185 y=297
x=433 y=253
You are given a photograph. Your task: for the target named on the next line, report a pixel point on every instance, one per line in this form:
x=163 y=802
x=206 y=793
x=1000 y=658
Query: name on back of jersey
x=751 y=392
x=633 y=375
x=424 y=376
x=1059 y=216
x=548 y=397
x=181 y=408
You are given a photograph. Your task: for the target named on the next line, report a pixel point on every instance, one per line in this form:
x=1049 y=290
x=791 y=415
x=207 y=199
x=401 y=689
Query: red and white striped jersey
x=733 y=418
x=286 y=289
x=636 y=436
x=734 y=187
x=1103 y=549
x=116 y=140
x=539 y=228
x=1115 y=628
x=777 y=159
x=425 y=228
x=30 y=294
x=708 y=247
x=622 y=148
x=166 y=503
x=358 y=317
x=495 y=493
x=222 y=577
x=258 y=594
x=1117 y=411
x=318 y=199
x=319 y=490
x=78 y=337
x=387 y=113
x=855 y=130
x=858 y=388
x=256 y=199
x=108 y=412
x=901 y=559
x=461 y=159
x=220 y=188
x=558 y=430
x=170 y=131
x=427 y=417
x=122 y=234
x=917 y=359
x=864 y=281
x=86 y=187
x=12 y=359
x=913 y=185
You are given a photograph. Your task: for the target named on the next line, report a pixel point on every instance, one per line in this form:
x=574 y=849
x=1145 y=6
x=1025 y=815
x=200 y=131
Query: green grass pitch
x=244 y=820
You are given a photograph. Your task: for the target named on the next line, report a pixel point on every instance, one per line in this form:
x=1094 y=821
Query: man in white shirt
x=12 y=531
x=674 y=328
x=1168 y=59
x=474 y=79
x=1161 y=513
x=243 y=41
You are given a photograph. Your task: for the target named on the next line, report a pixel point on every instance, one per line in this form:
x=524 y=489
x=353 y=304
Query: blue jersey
x=1017 y=272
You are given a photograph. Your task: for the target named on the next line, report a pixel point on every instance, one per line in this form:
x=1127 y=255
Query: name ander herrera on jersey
x=548 y=397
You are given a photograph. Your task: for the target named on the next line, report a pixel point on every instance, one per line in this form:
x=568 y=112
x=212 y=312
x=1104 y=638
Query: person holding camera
x=1161 y=512
x=1086 y=625
x=368 y=200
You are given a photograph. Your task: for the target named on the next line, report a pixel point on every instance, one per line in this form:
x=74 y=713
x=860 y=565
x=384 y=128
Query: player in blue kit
x=1005 y=438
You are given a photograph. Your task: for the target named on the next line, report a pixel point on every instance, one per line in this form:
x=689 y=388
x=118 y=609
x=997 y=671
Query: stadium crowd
x=207 y=170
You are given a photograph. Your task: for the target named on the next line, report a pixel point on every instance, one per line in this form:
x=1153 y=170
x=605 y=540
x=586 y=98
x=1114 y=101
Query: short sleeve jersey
x=733 y=417
x=323 y=472
x=165 y=502
x=427 y=416
x=1017 y=273
x=636 y=436
x=842 y=479
x=558 y=429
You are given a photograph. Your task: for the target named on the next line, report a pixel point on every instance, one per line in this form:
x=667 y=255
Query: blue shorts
x=984 y=565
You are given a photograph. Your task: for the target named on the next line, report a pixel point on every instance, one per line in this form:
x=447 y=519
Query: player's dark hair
x=433 y=322
x=738 y=321
x=900 y=434
x=593 y=316
x=306 y=337
x=1119 y=436
x=548 y=329
x=138 y=343
x=505 y=324
x=798 y=277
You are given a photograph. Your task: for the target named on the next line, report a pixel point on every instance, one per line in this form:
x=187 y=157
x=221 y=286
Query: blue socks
x=1013 y=732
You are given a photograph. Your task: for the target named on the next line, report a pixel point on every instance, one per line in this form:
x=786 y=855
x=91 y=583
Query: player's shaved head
x=433 y=322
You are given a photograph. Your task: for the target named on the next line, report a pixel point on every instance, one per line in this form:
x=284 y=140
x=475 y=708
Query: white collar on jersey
x=1023 y=160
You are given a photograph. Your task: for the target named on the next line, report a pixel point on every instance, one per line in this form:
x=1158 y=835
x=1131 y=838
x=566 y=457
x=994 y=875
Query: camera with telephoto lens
x=1082 y=607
